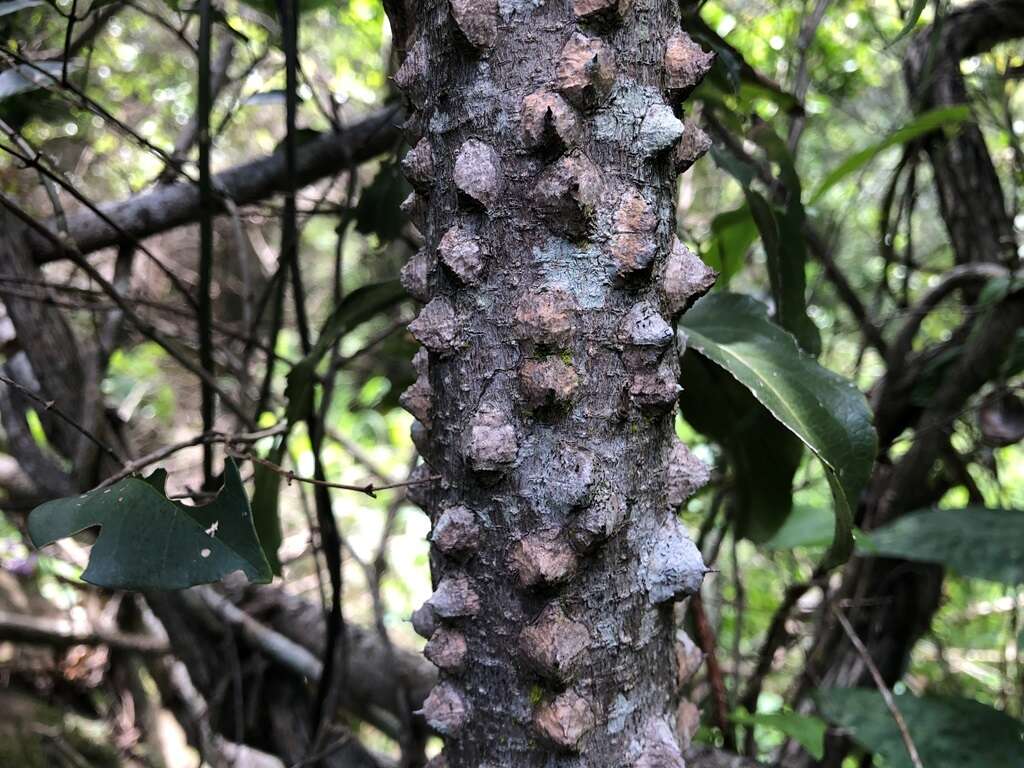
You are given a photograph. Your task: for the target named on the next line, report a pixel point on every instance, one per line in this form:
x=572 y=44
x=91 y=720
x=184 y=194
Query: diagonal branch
x=173 y=205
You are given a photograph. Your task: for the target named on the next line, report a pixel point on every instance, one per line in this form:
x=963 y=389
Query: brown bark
x=545 y=154
x=970 y=194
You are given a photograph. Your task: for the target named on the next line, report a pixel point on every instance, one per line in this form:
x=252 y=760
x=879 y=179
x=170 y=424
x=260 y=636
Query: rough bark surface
x=546 y=141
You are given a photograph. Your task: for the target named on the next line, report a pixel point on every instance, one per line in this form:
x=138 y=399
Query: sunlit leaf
x=978 y=542
x=948 y=732
x=824 y=410
x=147 y=541
x=763 y=455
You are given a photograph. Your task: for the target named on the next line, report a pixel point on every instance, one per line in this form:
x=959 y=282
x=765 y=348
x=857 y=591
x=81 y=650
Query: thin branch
x=890 y=702
x=205 y=315
x=52 y=407
x=370 y=489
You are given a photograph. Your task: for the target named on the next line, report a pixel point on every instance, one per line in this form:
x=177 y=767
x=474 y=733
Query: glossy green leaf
x=824 y=410
x=983 y=543
x=807 y=730
x=147 y=541
x=942 y=117
x=762 y=454
x=948 y=732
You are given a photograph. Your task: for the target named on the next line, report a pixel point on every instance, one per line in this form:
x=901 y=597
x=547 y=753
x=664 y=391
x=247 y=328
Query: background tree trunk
x=545 y=153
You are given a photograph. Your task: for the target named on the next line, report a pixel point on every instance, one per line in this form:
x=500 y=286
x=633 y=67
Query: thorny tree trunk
x=545 y=151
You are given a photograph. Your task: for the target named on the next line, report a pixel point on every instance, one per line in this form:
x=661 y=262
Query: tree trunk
x=545 y=152
x=891 y=602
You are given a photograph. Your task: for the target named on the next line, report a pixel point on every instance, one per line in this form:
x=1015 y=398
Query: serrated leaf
x=807 y=730
x=926 y=122
x=974 y=541
x=824 y=410
x=948 y=732
x=147 y=541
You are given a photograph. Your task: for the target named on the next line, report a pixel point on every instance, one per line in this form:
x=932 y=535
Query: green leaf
x=948 y=732
x=354 y=310
x=763 y=455
x=266 y=514
x=977 y=542
x=807 y=730
x=924 y=123
x=733 y=232
x=912 y=18
x=13 y=6
x=147 y=541
x=783 y=240
x=806 y=526
x=824 y=410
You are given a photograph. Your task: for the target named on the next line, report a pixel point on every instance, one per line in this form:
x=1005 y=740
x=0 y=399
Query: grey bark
x=545 y=153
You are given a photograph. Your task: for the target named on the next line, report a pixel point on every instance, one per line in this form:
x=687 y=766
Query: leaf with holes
x=824 y=410
x=978 y=542
x=948 y=732
x=147 y=541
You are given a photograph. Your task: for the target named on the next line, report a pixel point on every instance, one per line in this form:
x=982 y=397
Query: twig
x=52 y=407
x=21 y=628
x=201 y=439
x=883 y=689
x=204 y=106
x=720 y=700
x=370 y=489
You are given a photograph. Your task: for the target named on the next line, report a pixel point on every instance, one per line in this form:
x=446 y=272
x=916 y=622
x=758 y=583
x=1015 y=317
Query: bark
x=546 y=149
x=970 y=195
